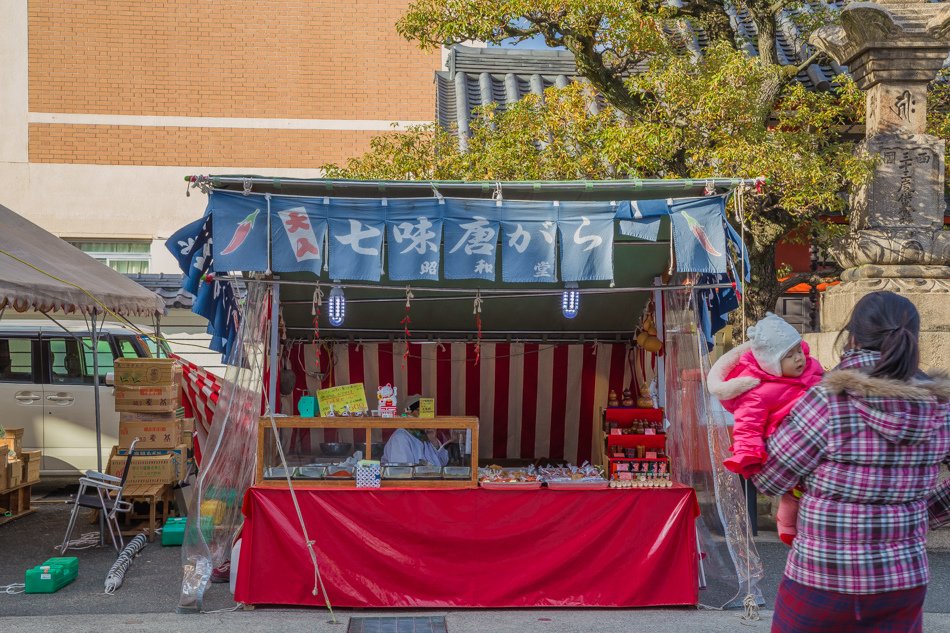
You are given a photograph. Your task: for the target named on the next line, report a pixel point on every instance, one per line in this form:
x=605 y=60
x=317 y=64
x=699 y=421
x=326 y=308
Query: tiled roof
x=478 y=76
x=168 y=287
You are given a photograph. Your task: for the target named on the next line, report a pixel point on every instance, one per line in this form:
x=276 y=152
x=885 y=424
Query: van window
x=16 y=360
x=65 y=361
x=71 y=361
x=126 y=347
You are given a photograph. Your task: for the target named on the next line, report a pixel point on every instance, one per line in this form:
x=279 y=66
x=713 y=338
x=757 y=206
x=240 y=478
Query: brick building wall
x=104 y=76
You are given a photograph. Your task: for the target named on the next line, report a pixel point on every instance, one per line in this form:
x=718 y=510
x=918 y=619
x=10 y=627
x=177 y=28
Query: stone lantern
x=897 y=241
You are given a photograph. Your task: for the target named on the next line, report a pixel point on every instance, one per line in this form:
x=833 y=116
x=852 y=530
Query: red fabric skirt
x=802 y=609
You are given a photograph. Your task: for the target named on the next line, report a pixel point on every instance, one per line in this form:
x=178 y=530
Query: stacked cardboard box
x=4 y=451
x=147 y=394
x=13 y=440
x=31 y=465
x=11 y=461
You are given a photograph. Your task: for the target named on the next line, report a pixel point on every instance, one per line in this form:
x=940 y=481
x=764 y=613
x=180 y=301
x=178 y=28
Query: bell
x=612 y=400
x=627 y=398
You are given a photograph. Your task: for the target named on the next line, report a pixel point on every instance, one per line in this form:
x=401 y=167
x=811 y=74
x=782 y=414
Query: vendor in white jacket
x=415 y=446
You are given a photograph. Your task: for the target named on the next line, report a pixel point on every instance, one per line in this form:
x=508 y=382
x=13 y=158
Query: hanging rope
x=405 y=322
x=318 y=587
x=477 y=311
x=315 y=310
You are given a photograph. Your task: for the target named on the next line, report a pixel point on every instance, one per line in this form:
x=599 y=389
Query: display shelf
x=363 y=439
x=632 y=440
x=624 y=416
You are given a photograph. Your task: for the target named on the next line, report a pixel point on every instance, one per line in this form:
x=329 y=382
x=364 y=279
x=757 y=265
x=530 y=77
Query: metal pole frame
x=274 y=344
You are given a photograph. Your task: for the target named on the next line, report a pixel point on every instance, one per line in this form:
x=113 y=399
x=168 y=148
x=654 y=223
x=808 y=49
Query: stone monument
x=894 y=49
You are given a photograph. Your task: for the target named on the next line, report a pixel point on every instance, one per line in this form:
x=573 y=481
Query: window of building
x=126 y=257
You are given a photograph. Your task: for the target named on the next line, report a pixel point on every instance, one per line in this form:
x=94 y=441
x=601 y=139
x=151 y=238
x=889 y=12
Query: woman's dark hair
x=888 y=323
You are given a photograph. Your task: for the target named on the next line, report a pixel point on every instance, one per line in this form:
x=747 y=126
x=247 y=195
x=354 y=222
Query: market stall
x=375 y=289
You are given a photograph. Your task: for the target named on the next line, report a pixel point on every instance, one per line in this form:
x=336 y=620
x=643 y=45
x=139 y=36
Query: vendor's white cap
x=771 y=339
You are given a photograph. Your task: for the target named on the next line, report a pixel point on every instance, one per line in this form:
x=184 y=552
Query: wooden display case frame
x=368 y=424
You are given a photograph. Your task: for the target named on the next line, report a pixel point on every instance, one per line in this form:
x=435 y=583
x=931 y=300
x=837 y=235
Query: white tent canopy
x=41 y=272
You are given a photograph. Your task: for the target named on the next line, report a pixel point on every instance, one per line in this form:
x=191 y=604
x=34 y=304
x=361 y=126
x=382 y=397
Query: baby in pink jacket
x=759 y=382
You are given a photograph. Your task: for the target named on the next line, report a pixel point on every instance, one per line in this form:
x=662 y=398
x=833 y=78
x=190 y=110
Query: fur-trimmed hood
x=737 y=372
x=903 y=412
x=718 y=381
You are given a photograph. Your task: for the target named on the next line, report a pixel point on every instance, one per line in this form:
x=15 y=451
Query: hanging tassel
x=406 y=321
x=477 y=311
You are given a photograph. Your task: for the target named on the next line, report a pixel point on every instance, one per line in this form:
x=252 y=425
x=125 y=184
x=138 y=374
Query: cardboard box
x=31 y=465
x=188 y=425
x=162 y=433
x=156 y=469
x=155 y=416
x=146 y=399
x=147 y=371
x=179 y=459
x=13 y=440
x=4 y=451
x=3 y=479
x=14 y=473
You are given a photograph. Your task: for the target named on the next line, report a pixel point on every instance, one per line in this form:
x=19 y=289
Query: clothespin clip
x=499 y=198
x=247 y=186
x=437 y=194
x=710 y=189
x=326 y=200
x=384 y=202
x=409 y=296
x=759 y=184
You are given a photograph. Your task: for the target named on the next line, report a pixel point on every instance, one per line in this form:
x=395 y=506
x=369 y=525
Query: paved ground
x=147 y=600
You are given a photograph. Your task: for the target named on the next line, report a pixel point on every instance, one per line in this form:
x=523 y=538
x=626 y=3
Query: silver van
x=46 y=388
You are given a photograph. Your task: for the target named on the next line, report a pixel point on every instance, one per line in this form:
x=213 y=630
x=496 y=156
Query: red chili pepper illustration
x=700 y=234
x=243 y=229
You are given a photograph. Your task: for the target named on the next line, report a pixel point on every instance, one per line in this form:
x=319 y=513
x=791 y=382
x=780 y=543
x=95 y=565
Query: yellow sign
x=352 y=396
x=426 y=407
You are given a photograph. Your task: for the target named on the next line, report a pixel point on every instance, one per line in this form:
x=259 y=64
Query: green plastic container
x=52 y=575
x=173 y=532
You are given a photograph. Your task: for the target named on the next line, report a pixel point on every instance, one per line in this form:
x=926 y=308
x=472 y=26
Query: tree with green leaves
x=671 y=113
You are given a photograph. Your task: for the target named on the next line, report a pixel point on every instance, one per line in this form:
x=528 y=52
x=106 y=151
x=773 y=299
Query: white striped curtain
x=532 y=400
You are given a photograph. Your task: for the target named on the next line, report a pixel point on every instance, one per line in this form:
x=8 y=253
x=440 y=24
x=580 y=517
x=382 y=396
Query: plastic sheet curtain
x=229 y=454
x=699 y=440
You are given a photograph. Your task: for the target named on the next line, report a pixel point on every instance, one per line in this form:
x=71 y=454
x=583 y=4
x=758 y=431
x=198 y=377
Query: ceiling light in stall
x=337 y=306
x=570 y=301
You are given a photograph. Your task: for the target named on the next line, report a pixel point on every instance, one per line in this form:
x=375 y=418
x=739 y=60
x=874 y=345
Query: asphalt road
x=149 y=596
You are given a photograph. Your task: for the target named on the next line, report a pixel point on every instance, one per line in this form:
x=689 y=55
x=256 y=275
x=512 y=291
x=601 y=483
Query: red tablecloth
x=472 y=548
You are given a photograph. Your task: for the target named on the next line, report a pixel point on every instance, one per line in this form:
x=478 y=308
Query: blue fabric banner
x=298 y=230
x=528 y=242
x=239 y=232
x=471 y=239
x=699 y=239
x=356 y=238
x=414 y=239
x=586 y=240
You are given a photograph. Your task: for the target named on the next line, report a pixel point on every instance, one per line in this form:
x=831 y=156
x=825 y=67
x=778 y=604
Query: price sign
x=426 y=407
x=353 y=396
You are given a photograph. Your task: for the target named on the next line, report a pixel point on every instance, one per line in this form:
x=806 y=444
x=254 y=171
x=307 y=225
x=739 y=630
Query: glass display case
x=435 y=452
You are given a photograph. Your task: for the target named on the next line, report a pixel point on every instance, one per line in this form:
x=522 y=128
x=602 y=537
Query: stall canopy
x=39 y=271
x=519 y=244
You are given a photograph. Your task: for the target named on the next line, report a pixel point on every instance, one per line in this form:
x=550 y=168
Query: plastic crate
x=173 y=532
x=52 y=575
